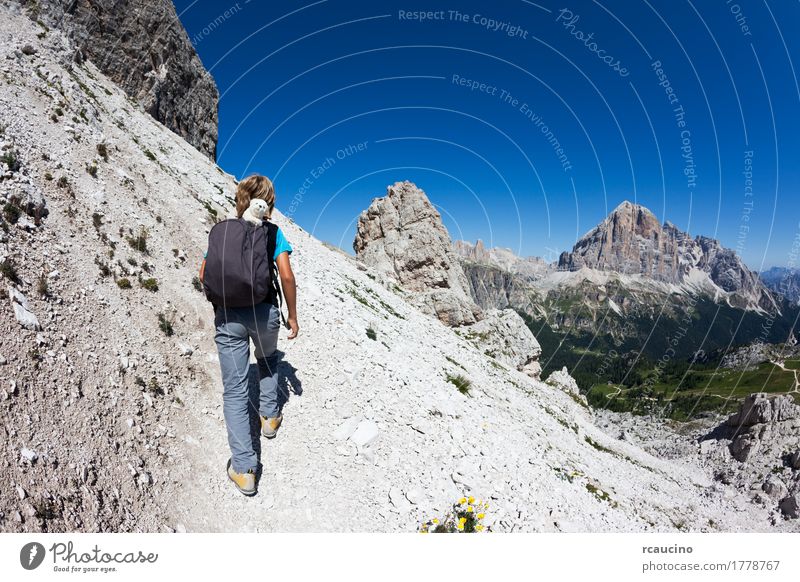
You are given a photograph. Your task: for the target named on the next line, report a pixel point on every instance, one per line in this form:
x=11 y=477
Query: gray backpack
x=240 y=270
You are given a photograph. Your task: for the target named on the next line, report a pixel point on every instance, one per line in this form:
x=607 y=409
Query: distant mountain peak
x=631 y=240
x=626 y=206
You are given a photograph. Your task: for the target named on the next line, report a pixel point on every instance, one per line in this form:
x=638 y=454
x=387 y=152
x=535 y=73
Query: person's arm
x=289 y=292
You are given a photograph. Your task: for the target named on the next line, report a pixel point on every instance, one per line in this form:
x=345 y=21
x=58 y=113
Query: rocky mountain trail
x=112 y=411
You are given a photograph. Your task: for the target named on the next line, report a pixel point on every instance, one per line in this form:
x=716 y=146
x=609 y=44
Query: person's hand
x=294 y=329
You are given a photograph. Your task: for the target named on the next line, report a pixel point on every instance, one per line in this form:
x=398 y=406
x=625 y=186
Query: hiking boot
x=270 y=426
x=245 y=482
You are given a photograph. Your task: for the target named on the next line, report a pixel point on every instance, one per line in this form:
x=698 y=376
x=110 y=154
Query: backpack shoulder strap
x=272 y=244
x=272 y=239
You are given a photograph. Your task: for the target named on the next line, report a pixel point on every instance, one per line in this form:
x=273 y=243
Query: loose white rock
x=366 y=433
x=28 y=454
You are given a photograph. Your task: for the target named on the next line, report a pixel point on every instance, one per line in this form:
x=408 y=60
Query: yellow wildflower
x=462 y=500
x=478 y=528
x=469 y=509
x=481 y=515
x=435 y=520
x=462 y=520
x=472 y=500
x=460 y=527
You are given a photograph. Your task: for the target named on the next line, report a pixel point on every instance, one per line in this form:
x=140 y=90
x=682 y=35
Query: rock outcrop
x=401 y=236
x=503 y=335
x=142 y=46
x=757 y=449
x=632 y=241
x=760 y=408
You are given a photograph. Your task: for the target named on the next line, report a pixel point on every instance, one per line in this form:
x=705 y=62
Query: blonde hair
x=255 y=186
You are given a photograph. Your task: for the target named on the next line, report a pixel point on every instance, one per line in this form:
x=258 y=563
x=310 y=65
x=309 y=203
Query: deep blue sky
x=302 y=81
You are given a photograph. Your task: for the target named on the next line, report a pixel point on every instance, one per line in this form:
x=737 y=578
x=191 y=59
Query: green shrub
x=149 y=284
x=62 y=182
x=139 y=242
x=105 y=271
x=197 y=284
x=48 y=176
x=154 y=387
x=150 y=155
x=92 y=169
x=165 y=325
x=461 y=382
x=124 y=283
x=371 y=334
x=97 y=220
x=102 y=151
x=9 y=271
x=11 y=212
x=11 y=160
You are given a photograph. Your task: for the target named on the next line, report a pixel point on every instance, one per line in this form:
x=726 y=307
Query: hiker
x=239 y=278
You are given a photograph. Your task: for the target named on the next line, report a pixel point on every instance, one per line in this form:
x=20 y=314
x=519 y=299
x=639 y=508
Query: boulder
x=561 y=379
x=743 y=446
x=22 y=310
x=775 y=488
x=346 y=429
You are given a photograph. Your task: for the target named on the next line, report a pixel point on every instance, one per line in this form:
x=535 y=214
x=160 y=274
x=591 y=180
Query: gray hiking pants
x=235 y=326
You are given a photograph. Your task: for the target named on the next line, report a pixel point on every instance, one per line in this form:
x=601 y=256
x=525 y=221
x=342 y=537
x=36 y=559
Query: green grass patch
x=462 y=383
x=165 y=325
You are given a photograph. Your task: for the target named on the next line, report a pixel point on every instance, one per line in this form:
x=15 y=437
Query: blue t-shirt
x=281 y=245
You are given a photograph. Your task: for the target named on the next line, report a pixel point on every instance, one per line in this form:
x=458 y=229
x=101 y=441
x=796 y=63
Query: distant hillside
x=784 y=282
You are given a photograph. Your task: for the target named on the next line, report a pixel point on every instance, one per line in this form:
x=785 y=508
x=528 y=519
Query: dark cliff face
x=142 y=46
